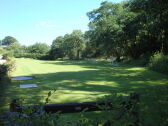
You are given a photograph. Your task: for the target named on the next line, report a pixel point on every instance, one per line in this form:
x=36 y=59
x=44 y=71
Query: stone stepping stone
x=28 y=85
x=22 y=77
x=2 y=61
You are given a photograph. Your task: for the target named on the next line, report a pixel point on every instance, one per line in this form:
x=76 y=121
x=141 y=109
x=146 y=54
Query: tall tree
x=77 y=40
x=135 y=28
x=41 y=48
x=70 y=45
x=56 y=50
x=154 y=14
x=105 y=31
x=15 y=48
x=8 y=40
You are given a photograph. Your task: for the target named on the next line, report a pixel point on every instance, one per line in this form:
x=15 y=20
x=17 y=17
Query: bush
x=142 y=61
x=32 y=56
x=32 y=117
x=159 y=62
x=8 y=54
x=1 y=50
x=3 y=70
x=6 y=68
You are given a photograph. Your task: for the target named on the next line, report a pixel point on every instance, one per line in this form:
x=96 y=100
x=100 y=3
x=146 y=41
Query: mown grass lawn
x=81 y=81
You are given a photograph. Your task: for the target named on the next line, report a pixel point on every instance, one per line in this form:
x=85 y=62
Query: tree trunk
x=78 y=54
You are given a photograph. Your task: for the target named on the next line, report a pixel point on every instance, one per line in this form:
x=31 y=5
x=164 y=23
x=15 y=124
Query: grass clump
x=159 y=62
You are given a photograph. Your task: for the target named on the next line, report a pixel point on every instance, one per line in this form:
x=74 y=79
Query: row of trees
x=12 y=45
x=69 y=45
x=136 y=28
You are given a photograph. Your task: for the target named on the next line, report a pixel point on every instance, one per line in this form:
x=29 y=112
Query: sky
x=31 y=21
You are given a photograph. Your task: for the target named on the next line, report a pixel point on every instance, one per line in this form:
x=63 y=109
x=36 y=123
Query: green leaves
x=50 y=93
x=133 y=28
x=41 y=48
x=8 y=40
x=106 y=29
x=69 y=46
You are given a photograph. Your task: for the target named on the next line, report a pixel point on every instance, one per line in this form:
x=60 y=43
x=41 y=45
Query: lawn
x=81 y=81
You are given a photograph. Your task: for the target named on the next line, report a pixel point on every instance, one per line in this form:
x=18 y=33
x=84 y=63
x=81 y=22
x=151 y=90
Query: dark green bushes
x=6 y=68
x=159 y=62
x=133 y=111
x=8 y=54
x=32 y=56
x=30 y=117
x=3 y=70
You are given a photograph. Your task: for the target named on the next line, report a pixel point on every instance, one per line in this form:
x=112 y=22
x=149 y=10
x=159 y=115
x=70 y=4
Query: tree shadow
x=88 y=85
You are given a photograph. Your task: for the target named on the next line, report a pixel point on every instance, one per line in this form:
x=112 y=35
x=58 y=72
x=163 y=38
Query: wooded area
x=134 y=29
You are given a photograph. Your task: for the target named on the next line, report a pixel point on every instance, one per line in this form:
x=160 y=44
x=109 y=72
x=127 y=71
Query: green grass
x=81 y=81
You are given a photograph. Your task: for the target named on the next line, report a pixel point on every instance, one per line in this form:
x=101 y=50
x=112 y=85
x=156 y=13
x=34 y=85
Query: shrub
x=131 y=112
x=143 y=61
x=8 y=54
x=32 y=117
x=159 y=62
x=32 y=56
x=6 y=68
x=3 y=70
x=1 y=50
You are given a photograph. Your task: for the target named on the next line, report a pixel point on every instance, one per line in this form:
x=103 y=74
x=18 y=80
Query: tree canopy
x=41 y=48
x=69 y=45
x=134 y=28
x=9 y=40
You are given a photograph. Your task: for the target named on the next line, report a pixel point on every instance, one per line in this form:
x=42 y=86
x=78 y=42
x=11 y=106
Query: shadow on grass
x=97 y=80
x=88 y=85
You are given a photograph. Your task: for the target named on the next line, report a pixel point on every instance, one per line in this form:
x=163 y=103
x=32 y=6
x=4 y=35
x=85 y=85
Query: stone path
x=28 y=85
x=26 y=77
x=22 y=77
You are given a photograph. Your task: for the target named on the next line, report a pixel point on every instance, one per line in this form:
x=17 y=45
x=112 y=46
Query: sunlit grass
x=79 y=81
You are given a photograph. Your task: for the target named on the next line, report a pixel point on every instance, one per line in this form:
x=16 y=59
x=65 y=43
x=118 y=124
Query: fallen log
x=71 y=107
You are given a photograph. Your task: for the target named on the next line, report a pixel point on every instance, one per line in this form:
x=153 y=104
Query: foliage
x=7 y=54
x=118 y=110
x=56 y=48
x=3 y=70
x=8 y=40
x=153 y=15
x=1 y=50
x=6 y=68
x=15 y=48
x=40 y=48
x=50 y=93
x=31 y=117
x=142 y=61
x=36 y=51
x=32 y=56
x=159 y=62
x=105 y=30
x=133 y=29
x=71 y=46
